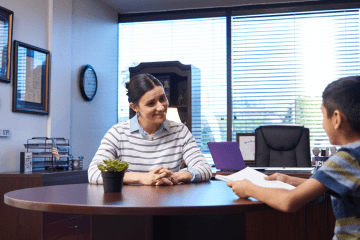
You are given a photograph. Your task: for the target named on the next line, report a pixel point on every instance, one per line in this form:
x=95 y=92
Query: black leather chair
x=282 y=146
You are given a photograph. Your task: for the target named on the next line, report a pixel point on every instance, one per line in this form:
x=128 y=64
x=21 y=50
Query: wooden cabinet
x=66 y=226
x=24 y=224
x=177 y=81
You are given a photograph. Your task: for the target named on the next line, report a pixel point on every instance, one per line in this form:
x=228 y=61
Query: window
x=199 y=42
x=280 y=64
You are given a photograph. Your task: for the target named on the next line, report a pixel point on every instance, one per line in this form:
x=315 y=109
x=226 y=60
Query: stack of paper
x=255 y=177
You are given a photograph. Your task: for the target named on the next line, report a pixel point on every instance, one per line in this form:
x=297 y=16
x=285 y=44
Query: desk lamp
x=173 y=115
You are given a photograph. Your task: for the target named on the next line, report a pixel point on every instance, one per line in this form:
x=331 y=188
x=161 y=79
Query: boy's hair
x=344 y=95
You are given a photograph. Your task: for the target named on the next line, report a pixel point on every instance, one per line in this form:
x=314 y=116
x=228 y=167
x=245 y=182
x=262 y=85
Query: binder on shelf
x=26 y=162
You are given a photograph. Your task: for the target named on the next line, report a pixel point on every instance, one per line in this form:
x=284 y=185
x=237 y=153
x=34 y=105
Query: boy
x=340 y=174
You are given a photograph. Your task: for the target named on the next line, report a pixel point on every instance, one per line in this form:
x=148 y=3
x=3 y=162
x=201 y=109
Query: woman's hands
x=183 y=176
x=157 y=176
x=163 y=176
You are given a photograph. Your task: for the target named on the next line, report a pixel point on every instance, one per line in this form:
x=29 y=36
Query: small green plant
x=113 y=165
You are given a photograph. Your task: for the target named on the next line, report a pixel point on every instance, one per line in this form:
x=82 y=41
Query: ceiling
x=138 y=6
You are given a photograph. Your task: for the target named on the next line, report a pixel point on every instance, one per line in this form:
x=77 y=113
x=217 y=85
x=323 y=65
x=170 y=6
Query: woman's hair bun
x=139 y=85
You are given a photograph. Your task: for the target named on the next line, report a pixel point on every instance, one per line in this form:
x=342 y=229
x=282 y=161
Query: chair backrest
x=282 y=146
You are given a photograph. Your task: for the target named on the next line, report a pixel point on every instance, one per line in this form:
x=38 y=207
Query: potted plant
x=112 y=172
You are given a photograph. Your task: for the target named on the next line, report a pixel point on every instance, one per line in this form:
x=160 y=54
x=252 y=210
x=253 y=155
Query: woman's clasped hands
x=163 y=176
x=158 y=176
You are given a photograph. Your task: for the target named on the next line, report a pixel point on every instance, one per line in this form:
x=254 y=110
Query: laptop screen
x=226 y=155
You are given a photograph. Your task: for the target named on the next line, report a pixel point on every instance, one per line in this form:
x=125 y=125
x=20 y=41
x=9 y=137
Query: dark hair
x=344 y=95
x=138 y=86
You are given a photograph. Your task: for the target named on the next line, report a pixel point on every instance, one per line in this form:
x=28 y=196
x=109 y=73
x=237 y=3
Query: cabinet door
x=16 y=223
x=66 y=177
x=77 y=228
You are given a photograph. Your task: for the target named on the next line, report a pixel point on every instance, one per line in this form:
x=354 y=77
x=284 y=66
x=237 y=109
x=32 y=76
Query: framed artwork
x=6 y=30
x=31 y=79
x=247 y=145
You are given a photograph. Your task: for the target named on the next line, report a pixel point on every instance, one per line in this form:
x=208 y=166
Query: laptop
x=226 y=156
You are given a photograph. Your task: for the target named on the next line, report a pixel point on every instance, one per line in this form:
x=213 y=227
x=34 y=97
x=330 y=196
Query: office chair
x=282 y=146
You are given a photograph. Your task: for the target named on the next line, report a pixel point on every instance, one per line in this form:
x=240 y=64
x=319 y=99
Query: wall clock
x=88 y=82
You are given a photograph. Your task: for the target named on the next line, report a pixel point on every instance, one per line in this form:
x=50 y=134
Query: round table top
x=211 y=197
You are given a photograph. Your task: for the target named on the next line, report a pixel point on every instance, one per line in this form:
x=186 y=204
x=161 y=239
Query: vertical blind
x=199 y=42
x=282 y=62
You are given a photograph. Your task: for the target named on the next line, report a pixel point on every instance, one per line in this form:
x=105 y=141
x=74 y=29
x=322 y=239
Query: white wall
x=94 y=42
x=30 y=26
x=76 y=32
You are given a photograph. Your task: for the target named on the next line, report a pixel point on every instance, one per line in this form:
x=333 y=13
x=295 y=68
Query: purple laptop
x=226 y=156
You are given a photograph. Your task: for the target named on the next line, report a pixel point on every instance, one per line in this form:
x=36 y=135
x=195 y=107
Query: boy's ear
x=133 y=107
x=337 y=119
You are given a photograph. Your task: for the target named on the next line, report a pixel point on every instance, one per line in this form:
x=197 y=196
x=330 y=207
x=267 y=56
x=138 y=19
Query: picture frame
x=246 y=143
x=6 y=34
x=31 y=79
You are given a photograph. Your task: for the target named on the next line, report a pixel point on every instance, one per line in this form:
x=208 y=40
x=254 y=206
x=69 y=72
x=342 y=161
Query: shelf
x=42 y=157
x=39 y=163
x=46 y=146
x=48 y=155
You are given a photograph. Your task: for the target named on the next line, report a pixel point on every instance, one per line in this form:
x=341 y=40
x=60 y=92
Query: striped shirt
x=341 y=174
x=171 y=143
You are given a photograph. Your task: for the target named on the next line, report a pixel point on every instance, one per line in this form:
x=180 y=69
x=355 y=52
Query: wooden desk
x=145 y=211
x=207 y=210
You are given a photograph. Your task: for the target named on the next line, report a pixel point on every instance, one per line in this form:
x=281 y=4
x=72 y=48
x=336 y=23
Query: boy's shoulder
x=353 y=145
x=341 y=172
x=351 y=150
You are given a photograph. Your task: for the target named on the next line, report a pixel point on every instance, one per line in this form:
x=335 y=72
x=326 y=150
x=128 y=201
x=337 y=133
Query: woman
x=153 y=146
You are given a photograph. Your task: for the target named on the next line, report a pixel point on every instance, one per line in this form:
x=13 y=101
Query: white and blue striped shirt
x=171 y=143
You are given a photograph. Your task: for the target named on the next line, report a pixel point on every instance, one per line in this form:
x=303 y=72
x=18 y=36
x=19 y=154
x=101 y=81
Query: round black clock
x=88 y=82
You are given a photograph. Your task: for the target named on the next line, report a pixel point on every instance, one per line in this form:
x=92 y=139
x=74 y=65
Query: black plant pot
x=112 y=181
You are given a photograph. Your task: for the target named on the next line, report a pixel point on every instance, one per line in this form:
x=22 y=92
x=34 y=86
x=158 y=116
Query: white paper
x=284 y=168
x=255 y=177
x=247 y=147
